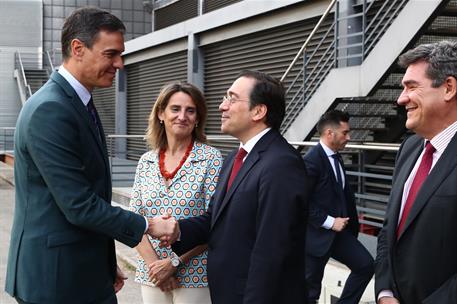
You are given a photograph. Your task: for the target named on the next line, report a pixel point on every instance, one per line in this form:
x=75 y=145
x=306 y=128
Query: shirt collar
x=249 y=145
x=327 y=150
x=82 y=92
x=442 y=139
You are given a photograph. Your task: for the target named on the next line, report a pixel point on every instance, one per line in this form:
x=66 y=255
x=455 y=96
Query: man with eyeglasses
x=256 y=223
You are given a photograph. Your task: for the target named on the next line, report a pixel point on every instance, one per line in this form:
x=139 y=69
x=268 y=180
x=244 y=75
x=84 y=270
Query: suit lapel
x=328 y=168
x=405 y=163
x=77 y=103
x=221 y=189
x=439 y=172
x=251 y=160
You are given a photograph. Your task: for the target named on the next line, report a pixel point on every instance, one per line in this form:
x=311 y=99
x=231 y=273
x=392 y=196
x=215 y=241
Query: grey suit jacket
x=421 y=266
x=62 y=248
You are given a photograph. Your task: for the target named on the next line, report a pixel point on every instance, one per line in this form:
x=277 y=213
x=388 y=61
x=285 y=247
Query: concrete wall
x=20 y=30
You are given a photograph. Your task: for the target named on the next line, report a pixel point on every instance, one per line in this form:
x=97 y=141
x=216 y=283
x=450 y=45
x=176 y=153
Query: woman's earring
x=196 y=125
x=161 y=122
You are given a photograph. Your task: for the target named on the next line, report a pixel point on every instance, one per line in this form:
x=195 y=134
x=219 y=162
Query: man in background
x=333 y=224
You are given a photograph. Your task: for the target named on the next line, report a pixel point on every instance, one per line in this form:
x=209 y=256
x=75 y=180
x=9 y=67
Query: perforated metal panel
x=211 y=5
x=269 y=51
x=175 y=13
x=144 y=81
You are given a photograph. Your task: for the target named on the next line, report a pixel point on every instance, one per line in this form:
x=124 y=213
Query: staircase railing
x=22 y=80
x=303 y=77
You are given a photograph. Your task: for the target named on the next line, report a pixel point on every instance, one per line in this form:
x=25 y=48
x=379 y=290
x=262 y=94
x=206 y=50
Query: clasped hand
x=165 y=228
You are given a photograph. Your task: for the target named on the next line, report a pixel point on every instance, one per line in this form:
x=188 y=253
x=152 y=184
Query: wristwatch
x=175 y=260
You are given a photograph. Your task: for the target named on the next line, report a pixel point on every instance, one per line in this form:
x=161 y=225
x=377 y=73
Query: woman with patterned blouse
x=178 y=176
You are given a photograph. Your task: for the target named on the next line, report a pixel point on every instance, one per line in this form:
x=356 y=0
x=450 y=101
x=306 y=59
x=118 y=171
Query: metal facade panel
x=175 y=13
x=211 y=5
x=105 y=102
x=270 y=51
x=144 y=81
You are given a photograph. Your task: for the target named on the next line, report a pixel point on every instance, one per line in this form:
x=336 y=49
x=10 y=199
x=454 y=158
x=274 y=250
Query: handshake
x=165 y=228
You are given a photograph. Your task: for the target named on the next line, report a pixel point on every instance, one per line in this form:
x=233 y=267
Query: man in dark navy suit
x=333 y=225
x=256 y=222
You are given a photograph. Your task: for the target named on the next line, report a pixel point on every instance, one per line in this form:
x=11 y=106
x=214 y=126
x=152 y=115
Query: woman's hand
x=160 y=271
x=169 y=284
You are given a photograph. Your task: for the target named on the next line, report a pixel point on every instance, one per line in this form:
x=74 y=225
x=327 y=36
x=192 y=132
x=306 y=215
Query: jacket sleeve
x=317 y=215
x=53 y=142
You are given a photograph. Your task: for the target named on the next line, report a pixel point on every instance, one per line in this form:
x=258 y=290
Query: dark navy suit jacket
x=327 y=199
x=421 y=266
x=255 y=230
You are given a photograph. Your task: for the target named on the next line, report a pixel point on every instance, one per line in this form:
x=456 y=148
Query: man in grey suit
x=417 y=249
x=62 y=247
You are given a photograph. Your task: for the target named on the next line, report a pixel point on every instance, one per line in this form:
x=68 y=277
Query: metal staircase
x=31 y=73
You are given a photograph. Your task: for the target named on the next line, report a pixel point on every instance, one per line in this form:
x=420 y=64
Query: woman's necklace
x=163 y=171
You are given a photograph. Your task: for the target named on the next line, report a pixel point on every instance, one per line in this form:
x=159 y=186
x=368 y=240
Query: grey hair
x=440 y=56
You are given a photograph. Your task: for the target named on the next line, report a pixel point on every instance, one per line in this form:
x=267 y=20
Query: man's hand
x=165 y=228
x=340 y=223
x=160 y=271
x=119 y=281
x=388 y=300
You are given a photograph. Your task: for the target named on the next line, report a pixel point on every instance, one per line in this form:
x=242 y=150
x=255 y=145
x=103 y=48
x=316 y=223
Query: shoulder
x=207 y=151
x=150 y=156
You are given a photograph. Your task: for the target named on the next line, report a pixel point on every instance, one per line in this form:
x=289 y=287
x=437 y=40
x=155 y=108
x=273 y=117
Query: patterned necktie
x=421 y=174
x=93 y=113
x=236 y=166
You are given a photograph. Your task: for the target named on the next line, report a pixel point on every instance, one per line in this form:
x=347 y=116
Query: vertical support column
x=195 y=64
x=121 y=114
x=200 y=7
x=349 y=33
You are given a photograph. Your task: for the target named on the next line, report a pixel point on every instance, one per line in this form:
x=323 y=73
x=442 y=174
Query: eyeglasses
x=231 y=100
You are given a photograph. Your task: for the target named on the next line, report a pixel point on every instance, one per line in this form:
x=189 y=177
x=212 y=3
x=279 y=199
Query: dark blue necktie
x=336 y=162
x=93 y=113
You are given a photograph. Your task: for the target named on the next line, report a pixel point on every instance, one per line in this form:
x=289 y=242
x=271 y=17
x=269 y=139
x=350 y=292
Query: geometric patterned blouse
x=188 y=195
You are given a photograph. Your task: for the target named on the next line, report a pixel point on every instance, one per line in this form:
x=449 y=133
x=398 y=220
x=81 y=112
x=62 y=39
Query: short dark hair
x=440 y=56
x=155 y=134
x=85 y=24
x=331 y=118
x=270 y=92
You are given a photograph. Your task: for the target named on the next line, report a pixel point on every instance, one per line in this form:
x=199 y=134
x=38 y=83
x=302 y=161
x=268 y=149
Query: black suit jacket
x=62 y=248
x=256 y=231
x=327 y=199
x=421 y=266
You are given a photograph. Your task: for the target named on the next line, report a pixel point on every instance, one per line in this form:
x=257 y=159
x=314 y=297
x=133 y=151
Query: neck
x=329 y=145
x=244 y=138
x=71 y=66
x=175 y=145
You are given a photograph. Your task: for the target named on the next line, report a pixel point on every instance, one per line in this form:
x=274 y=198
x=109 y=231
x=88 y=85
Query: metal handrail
x=48 y=57
x=310 y=78
x=22 y=77
x=311 y=35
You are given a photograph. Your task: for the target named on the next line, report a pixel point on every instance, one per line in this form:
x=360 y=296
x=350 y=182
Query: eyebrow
x=409 y=82
x=230 y=93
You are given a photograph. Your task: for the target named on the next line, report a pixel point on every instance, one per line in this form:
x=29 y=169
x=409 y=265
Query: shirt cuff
x=328 y=224
x=385 y=293
x=147 y=225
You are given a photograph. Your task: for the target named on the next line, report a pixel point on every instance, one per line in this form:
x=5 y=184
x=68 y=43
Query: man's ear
x=259 y=112
x=450 y=86
x=77 y=49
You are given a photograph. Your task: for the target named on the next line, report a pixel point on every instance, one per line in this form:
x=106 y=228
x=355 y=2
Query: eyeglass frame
x=231 y=100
